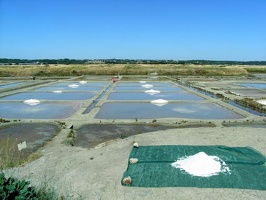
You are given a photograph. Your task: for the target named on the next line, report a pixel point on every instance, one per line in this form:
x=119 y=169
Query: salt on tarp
x=154 y=169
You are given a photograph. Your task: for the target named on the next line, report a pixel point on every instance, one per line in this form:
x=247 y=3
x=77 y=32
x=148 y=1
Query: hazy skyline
x=140 y=29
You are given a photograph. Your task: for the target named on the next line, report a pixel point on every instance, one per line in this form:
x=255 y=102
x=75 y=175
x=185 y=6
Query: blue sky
x=135 y=29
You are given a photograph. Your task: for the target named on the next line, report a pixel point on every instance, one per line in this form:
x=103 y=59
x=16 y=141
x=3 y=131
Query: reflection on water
x=81 y=84
x=51 y=96
x=137 y=84
x=139 y=88
x=171 y=110
x=66 y=88
x=51 y=110
x=255 y=85
x=10 y=85
x=145 y=96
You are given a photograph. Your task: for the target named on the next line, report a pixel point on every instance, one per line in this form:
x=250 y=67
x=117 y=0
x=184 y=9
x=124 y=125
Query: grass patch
x=256 y=69
x=127 y=69
x=71 y=137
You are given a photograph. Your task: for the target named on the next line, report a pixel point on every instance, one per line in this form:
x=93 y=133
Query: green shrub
x=14 y=189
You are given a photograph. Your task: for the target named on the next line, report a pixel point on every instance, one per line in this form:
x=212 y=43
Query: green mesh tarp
x=153 y=169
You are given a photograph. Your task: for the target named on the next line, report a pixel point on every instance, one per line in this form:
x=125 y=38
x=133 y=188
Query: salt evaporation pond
x=51 y=96
x=145 y=96
x=111 y=132
x=137 y=84
x=171 y=110
x=255 y=85
x=8 y=85
x=139 y=88
x=44 y=110
x=249 y=92
x=35 y=134
x=81 y=84
x=66 y=88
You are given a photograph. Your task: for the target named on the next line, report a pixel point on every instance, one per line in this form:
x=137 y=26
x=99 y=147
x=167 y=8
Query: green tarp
x=153 y=169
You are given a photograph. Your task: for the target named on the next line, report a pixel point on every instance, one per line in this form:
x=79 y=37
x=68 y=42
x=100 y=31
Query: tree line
x=67 y=61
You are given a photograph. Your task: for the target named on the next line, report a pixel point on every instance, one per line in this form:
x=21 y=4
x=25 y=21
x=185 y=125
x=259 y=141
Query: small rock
x=133 y=160
x=136 y=145
x=127 y=180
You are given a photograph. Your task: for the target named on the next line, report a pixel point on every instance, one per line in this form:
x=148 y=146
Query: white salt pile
x=83 y=82
x=159 y=102
x=142 y=82
x=147 y=86
x=152 y=92
x=262 y=101
x=32 y=102
x=202 y=165
x=73 y=86
x=57 y=91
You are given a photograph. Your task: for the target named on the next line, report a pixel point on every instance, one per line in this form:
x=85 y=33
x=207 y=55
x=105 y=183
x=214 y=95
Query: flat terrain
x=86 y=171
x=128 y=69
x=81 y=173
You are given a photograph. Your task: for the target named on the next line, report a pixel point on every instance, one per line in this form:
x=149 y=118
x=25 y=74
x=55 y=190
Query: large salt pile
x=159 y=102
x=202 y=165
x=262 y=101
x=32 y=102
x=147 y=86
x=83 y=82
x=57 y=91
x=142 y=82
x=73 y=86
x=152 y=92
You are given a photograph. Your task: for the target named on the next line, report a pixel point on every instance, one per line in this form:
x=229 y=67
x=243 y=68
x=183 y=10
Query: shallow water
x=8 y=85
x=88 y=84
x=139 y=88
x=51 y=96
x=247 y=109
x=137 y=84
x=44 y=110
x=255 y=85
x=66 y=88
x=145 y=96
x=170 y=110
x=147 y=78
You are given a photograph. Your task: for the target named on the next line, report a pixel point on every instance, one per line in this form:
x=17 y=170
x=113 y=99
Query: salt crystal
x=152 y=91
x=31 y=102
x=57 y=91
x=159 y=102
x=262 y=101
x=202 y=165
x=73 y=86
x=147 y=86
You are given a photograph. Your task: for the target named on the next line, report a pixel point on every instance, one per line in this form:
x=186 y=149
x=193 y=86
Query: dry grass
x=10 y=156
x=126 y=69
